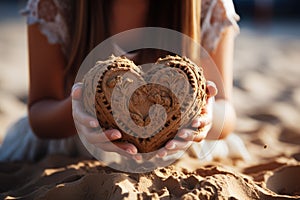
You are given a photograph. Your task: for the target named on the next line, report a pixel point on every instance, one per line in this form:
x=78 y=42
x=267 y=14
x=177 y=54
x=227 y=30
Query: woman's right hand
x=89 y=126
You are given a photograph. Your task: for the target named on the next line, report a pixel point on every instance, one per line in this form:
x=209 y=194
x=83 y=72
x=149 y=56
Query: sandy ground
x=13 y=66
x=267 y=99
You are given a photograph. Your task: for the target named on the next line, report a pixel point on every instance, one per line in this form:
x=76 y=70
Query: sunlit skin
x=50 y=106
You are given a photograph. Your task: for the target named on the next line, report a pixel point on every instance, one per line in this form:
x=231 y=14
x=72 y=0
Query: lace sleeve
x=216 y=15
x=52 y=17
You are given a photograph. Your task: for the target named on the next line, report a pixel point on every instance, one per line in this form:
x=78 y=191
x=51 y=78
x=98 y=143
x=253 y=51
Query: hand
x=89 y=127
x=202 y=123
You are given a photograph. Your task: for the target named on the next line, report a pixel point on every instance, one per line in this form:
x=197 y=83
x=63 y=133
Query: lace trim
x=215 y=17
x=51 y=15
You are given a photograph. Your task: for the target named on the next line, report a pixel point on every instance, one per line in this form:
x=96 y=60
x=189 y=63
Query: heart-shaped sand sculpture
x=148 y=108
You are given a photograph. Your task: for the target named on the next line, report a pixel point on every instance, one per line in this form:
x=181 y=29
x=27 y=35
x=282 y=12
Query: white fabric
x=20 y=143
x=216 y=15
x=53 y=17
x=230 y=147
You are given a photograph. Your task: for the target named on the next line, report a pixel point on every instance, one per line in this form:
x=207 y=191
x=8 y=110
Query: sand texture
x=267 y=100
x=58 y=177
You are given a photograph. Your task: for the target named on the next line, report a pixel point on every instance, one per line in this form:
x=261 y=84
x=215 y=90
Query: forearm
x=224 y=116
x=52 y=118
x=223 y=58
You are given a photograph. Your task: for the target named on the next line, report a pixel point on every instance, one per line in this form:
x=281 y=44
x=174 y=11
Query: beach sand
x=267 y=100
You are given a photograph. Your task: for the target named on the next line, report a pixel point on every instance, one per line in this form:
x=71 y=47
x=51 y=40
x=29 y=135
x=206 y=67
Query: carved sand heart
x=148 y=108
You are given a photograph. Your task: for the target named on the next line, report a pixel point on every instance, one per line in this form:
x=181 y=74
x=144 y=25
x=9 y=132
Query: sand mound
x=89 y=179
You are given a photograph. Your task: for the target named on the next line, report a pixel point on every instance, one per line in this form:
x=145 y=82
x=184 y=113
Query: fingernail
x=93 y=124
x=161 y=154
x=213 y=85
x=183 y=135
x=170 y=145
x=76 y=85
x=115 y=136
x=73 y=87
x=138 y=157
x=196 y=124
x=130 y=151
x=73 y=91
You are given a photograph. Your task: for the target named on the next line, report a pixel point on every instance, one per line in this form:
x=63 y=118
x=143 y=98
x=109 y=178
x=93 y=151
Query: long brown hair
x=90 y=24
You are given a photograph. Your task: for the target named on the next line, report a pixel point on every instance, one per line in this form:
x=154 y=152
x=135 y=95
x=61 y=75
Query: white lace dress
x=53 y=17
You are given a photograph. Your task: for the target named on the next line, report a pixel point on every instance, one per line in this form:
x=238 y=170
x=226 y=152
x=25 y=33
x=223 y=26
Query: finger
x=106 y=136
x=209 y=105
x=112 y=134
x=82 y=117
x=78 y=113
x=176 y=145
x=201 y=121
x=127 y=147
x=77 y=91
x=205 y=120
x=116 y=148
x=137 y=157
x=93 y=137
x=164 y=152
x=187 y=134
x=192 y=135
x=211 y=89
x=201 y=135
x=196 y=122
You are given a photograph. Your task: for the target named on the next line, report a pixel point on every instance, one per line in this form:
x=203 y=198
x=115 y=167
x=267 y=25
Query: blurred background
x=266 y=58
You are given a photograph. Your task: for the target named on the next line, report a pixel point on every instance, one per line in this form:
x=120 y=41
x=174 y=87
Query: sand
x=267 y=99
x=66 y=178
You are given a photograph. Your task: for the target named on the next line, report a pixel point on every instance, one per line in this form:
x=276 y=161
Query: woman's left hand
x=200 y=126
